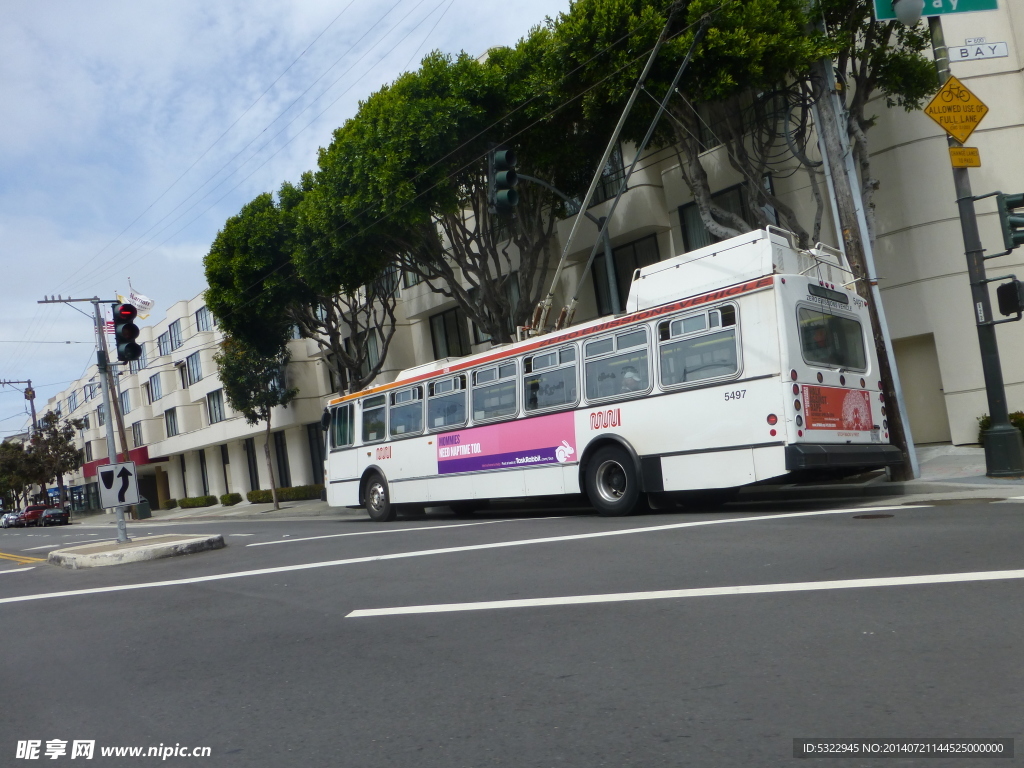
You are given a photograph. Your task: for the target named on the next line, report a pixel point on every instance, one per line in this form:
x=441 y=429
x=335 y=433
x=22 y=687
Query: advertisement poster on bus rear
x=834 y=408
x=533 y=442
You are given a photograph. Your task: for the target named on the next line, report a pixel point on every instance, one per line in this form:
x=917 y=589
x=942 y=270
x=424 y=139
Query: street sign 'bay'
x=884 y=11
x=956 y=110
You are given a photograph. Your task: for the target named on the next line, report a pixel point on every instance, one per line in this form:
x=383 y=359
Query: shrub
x=230 y=499
x=296 y=493
x=168 y=504
x=1016 y=418
x=197 y=501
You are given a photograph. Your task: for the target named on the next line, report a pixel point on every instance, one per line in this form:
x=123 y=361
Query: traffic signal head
x=1010 y=297
x=1011 y=222
x=126 y=332
x=503 y=180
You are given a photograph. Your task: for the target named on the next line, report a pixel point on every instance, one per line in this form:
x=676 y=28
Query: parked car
x=31 y=515
x=55 y=516
x=7 y=521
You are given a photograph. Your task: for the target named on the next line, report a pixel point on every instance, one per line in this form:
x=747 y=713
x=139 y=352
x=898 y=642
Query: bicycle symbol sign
x=956 y=110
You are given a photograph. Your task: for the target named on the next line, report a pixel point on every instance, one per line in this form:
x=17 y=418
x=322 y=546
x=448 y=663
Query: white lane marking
x=427 y=552
x=441 y=527
x=18 y=570
x=666 y=594
x=66 y=544
x=242 y=534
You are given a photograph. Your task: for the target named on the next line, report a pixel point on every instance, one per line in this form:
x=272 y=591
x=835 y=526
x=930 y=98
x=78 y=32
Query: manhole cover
x=869 y=517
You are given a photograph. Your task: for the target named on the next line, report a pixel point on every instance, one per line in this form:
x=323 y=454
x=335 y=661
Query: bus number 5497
x=736 y=394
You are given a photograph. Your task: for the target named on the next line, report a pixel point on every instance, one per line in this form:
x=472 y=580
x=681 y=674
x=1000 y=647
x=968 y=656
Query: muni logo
x=605 y=419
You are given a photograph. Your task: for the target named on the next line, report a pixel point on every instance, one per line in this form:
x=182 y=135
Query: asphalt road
x=254 y=651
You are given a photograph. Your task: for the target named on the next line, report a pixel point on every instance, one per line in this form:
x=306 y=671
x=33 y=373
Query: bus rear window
x=831 y=340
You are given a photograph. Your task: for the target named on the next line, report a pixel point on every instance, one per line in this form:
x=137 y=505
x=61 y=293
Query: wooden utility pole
x=844 y=187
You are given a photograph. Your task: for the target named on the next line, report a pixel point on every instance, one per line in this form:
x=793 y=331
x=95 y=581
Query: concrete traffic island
x=144 y=548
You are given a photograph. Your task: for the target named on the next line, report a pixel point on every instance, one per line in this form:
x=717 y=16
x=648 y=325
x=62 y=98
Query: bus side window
x=446 y=402
x=698 y=347
x=406 y=413
x=618 y=365
x=494 y=392
x=374 y=418
x=342 y=434
x=550 y=379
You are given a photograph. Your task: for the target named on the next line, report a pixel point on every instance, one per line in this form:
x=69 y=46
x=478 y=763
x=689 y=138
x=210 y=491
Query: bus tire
x=612 y=483
x=378 y=499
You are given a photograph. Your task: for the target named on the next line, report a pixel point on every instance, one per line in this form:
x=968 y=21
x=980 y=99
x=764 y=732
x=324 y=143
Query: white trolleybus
x=743 y=362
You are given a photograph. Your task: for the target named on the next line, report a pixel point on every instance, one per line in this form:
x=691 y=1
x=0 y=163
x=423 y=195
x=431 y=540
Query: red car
x=31 y=515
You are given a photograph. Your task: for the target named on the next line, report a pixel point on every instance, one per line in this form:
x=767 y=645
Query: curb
x=111 y=553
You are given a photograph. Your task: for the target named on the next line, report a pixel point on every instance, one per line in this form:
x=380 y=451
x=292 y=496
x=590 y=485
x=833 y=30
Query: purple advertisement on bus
x=542 y=440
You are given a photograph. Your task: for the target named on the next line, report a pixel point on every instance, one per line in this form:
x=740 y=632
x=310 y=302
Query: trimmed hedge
x=197 y=501
x=230 y=499
x=1016 y=419
x=296 y=493
x=168 y=504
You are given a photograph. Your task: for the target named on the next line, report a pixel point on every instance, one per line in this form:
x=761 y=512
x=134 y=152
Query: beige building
x=193 y=444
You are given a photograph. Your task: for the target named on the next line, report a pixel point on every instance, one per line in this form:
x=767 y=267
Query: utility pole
x=30 y=395
x=106 y=390
x=848 y=207
x=1004 y=448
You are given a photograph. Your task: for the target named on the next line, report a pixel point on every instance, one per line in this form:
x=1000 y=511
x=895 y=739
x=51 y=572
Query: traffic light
x=502 y=180
x=1012 y=223
x=126 y=332
x=1010 y=297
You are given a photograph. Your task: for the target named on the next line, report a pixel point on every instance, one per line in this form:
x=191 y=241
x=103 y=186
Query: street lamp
x=908 y=11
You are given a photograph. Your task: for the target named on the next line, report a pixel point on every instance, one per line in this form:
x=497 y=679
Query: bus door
x=341 y=459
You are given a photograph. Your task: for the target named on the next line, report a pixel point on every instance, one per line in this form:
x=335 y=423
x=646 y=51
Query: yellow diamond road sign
x=956 y=110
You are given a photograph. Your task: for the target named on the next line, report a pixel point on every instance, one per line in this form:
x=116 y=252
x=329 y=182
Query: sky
x=131 y=131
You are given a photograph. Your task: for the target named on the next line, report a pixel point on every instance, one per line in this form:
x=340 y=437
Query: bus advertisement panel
x=544 y=440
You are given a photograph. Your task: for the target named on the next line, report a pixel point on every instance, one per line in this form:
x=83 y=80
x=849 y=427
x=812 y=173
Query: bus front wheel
x=612 y=483
x=378 y=499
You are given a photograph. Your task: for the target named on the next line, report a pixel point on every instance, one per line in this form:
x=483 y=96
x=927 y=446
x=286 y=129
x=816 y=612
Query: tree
x=410 y=171
x=18 y=469
x=261 y=287
x=53 y=448
x=254 y=384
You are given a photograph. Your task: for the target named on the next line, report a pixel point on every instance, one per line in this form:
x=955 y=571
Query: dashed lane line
x=668 y=594
x=18 y=570
x=428 y=552
x=66 y=544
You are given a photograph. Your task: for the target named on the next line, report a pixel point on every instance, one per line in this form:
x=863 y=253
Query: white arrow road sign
x=118 y=484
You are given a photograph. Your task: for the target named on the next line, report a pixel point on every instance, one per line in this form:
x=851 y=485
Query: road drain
x=869 y=517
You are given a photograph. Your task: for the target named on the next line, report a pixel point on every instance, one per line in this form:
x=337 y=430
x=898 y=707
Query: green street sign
x=884 y=12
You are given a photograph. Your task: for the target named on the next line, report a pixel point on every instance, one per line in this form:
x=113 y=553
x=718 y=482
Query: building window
x=175 y=332
x=626 y=259
x=608 y=187
x=250 y=461
x=137 y=434
x=85 y=421
x=372 y=355
x=101 y=417
x=512 y=296
x=163 y=343
x=171 y=421
x=215 y=405
x=734 y=200
x=126 y=402
x=284 y=475
x=448 y=333
x=137 y=365
x=88 y=451
x=194 y=367
x=203 y=475
x=72 y=401
x=409 y=279
x=317 y=454
x=89 y=390
x=155 y=390
x=204 y=319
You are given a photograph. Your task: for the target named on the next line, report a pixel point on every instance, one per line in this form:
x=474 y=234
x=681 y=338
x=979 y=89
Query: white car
x=7 y=520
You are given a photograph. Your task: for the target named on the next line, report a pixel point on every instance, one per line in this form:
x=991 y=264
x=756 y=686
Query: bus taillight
x=773 y=419
x=793 y=374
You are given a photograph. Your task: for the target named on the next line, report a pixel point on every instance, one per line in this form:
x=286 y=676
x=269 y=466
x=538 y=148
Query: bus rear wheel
x=612 y=483
x=378 y=499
